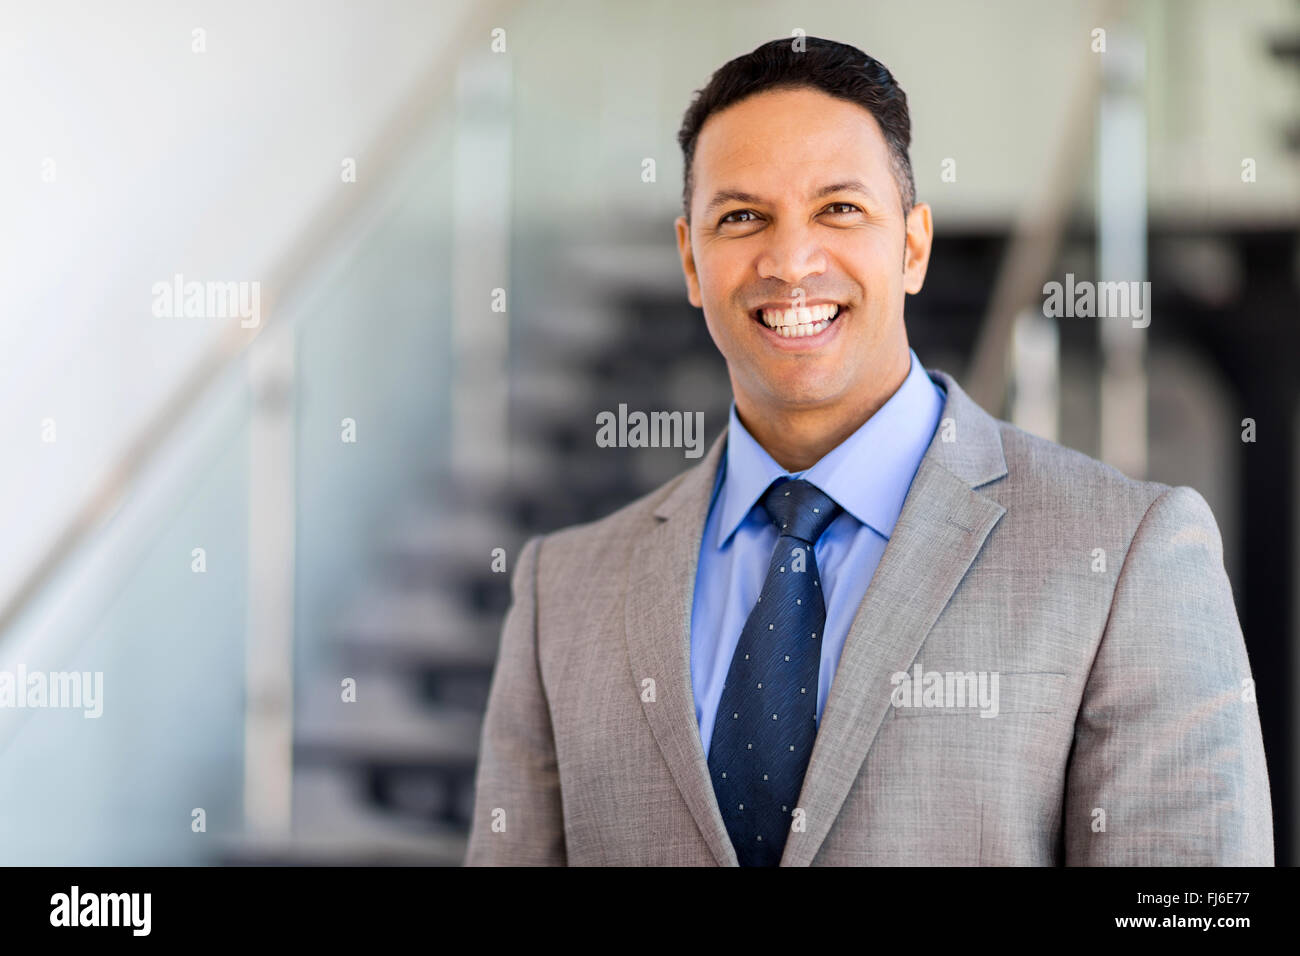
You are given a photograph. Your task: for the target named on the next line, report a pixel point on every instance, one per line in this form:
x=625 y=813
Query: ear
x=916 y=257
x=688 y=262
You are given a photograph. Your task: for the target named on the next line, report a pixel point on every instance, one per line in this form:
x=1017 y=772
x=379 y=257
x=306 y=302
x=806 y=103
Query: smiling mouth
x=797 y=323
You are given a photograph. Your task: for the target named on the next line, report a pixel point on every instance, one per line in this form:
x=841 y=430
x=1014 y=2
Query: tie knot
x=800 y=509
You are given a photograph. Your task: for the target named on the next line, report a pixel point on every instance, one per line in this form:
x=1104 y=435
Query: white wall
x=167 y=160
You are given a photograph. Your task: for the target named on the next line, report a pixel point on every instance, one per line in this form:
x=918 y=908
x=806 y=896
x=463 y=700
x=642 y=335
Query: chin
x=801 y=392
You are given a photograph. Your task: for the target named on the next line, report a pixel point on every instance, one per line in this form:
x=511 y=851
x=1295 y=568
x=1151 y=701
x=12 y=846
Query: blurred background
x=275 y=531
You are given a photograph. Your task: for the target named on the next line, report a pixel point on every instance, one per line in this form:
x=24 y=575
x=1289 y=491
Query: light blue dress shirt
x=868 y=475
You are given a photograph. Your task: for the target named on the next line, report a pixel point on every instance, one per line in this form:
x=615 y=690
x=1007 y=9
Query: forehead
x=788 y=141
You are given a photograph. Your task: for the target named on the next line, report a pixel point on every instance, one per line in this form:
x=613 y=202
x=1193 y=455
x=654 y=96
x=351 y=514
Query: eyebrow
x=724 y=196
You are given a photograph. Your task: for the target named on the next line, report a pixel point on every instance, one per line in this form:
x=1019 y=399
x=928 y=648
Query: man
x=1046 y=667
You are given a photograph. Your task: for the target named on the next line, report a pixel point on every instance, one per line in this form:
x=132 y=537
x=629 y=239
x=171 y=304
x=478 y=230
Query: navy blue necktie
x=767 y=719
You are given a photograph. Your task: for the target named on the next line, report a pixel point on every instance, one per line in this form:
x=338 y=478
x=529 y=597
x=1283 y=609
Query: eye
x=842 y=208
x=738 y=212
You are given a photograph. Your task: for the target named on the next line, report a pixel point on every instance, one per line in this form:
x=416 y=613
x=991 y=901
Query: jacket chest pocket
x=983 y=694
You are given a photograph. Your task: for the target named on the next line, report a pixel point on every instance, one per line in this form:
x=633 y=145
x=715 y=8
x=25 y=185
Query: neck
x=799 y=438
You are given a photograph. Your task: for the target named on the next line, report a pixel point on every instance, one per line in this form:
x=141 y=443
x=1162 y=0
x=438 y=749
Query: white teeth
x=799 y=331
x=788 y=321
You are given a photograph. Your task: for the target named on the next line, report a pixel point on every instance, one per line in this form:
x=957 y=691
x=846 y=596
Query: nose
x=791 y=254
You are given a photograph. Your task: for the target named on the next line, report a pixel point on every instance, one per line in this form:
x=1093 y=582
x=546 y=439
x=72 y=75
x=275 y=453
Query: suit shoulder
x=1060 y=496
x=1069 y=482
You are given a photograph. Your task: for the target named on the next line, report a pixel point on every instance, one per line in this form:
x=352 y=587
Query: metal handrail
x=1036 y=237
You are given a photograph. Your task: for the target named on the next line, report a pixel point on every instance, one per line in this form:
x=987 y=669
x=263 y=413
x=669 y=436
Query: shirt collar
x=868 y=474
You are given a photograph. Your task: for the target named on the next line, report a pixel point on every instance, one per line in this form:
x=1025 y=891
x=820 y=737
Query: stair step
x=384 y=728
x=335 y=824
x=432 y=644
x=419 y=614
x=425 y=530
x=332 y=849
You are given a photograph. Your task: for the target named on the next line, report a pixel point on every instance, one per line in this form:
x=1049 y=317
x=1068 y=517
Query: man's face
x=794 y=203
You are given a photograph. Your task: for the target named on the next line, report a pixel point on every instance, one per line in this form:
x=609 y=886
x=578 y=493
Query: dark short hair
x=837 y=69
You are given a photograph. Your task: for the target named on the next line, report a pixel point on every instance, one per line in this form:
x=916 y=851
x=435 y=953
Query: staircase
x=389 y=778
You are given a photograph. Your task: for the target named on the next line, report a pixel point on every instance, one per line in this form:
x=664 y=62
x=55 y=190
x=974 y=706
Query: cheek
x=719 y=284
x=873 y=260
x=718 y=276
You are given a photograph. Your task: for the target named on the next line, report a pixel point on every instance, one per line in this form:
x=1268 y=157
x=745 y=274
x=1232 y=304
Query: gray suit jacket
x=1126 y=733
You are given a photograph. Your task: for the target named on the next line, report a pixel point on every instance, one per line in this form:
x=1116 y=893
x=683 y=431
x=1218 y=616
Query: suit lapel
x=940 y=530
x=660 y=592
